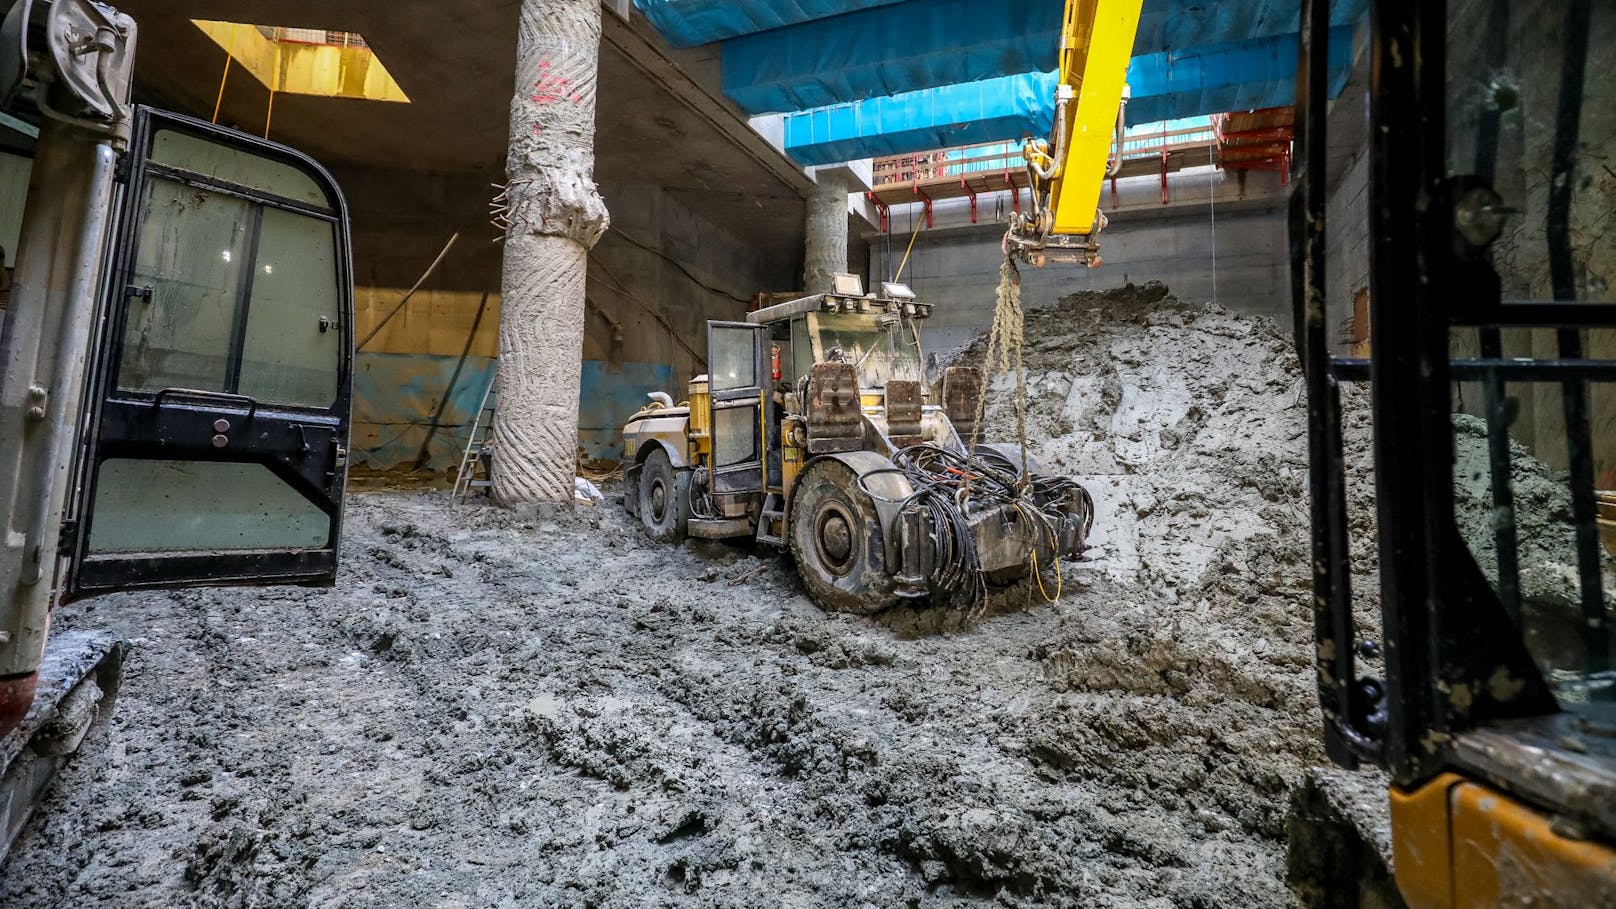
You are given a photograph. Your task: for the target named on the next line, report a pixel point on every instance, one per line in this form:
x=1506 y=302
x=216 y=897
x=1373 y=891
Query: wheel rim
x=833 y=538
x=659 y=500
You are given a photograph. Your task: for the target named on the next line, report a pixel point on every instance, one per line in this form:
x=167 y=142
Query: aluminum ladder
x=475 y=461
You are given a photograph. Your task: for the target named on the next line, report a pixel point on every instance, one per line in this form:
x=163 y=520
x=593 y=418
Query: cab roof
x=868 y=303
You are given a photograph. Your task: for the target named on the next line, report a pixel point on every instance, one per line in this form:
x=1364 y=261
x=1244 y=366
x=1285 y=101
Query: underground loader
x=175 y=369
x=814 y=432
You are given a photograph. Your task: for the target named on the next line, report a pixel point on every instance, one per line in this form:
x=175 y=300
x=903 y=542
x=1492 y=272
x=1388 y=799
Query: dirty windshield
x=1535 y=456
x=881 y=346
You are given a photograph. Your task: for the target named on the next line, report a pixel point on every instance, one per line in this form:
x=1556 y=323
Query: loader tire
x=664 y=499
x=836 y=539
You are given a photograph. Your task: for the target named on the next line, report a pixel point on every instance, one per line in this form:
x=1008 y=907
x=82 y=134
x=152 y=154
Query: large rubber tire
x=836 y=539
x=664 y=499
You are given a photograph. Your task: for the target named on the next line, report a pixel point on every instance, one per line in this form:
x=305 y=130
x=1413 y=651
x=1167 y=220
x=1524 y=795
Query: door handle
x=250 y=404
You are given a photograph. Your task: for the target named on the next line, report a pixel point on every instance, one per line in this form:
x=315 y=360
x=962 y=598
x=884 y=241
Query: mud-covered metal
x=904 y=413
x=869 y=496
x=833 y=410
x=77 y=683
x=962 y=398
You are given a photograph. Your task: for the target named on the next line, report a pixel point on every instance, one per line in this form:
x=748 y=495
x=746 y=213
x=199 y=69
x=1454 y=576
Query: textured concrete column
x=827 y=231
x=555 y=216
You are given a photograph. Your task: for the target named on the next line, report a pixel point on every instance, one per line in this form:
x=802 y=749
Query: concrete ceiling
x=455 y=60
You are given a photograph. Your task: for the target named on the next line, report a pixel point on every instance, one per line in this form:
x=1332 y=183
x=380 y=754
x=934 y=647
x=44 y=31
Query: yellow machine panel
x=1461 y=845
x=701 y=417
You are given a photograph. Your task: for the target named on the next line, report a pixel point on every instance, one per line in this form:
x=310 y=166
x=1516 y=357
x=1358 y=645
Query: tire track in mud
x=488 y=712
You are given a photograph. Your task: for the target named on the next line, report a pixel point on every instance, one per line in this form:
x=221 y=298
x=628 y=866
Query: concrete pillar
x=827 y=231
x=556 y=216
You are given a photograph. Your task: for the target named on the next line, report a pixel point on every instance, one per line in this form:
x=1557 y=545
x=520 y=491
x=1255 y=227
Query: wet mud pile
x=491 y=712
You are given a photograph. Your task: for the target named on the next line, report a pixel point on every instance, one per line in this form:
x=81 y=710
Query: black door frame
x=745 y=477
x=305 y=447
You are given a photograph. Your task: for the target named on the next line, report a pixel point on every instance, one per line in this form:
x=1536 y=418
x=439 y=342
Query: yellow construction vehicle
x=1065 y=172
x=175 y=369
x=814 y=432
x=1491 y=698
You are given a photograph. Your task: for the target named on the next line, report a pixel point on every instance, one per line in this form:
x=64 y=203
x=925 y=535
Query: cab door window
x=220 y=415
x=231 y=293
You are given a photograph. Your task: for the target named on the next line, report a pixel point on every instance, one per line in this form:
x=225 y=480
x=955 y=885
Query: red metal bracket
x=883 y=209
x=1164 y=178
x=1258 y=136
x=927 y=200
x=1015 y=193
x=970 y=193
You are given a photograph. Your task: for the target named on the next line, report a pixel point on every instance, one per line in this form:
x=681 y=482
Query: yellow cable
x=912 y=238
x=229 y=57
x=1039 y=575
x=277 y=79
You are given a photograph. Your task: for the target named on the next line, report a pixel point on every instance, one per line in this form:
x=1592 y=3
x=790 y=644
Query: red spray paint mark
x=551 y=88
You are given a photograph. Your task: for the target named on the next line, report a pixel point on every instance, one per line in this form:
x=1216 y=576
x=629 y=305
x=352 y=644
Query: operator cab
x=878 y=333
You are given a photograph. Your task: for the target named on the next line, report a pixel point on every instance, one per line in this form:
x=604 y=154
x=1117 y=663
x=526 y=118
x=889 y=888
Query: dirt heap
x=1546 y=549
x=487 y=712
x=1189 y=680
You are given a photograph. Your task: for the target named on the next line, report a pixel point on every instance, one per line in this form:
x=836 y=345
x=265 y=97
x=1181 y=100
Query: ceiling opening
x=306 y=61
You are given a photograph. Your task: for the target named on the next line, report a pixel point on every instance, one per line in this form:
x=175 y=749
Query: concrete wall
x=1524 y=97
x=1243 y=263
x=1346 y=251
x=654 y=281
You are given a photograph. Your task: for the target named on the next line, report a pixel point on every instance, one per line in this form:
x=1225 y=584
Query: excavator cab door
x=216 y=417
x=738 y=373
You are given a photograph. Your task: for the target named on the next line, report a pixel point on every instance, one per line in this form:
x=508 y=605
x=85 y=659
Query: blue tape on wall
x=396 y=396
x=611 y=394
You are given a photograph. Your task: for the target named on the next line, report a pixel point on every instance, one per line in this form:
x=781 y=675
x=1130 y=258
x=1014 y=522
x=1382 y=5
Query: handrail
x=992 y=157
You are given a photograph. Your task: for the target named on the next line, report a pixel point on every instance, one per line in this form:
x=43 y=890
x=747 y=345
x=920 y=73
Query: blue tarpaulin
x=686 y=23
x=888 y=50
x=1164 y=24
x=1203 y=81
x=1226 y=77
x=1179 y=25
x=985 y=111
x=923 y=44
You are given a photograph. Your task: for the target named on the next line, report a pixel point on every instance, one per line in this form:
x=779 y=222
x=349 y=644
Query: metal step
x=773 y=510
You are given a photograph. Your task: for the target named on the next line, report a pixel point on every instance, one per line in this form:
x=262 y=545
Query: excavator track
x=78 y=682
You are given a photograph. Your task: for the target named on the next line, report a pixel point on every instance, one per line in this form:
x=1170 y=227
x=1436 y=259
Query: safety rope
x=1004 y=353
x=1006 y=340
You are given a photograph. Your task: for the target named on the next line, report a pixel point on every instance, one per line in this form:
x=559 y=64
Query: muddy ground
x=488 y=712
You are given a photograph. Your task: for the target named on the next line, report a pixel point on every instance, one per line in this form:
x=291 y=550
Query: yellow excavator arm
x=1066 y=171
